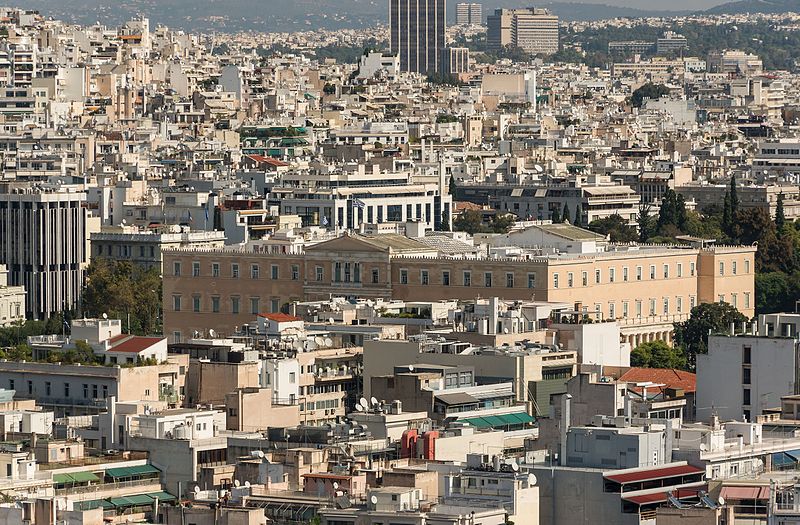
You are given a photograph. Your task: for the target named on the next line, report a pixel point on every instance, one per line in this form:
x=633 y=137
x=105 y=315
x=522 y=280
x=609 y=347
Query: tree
x=616 y=228
x=555 y=215
x=578 y=220
x=501 y=223
x=565 y=213
x=648 y=91
x=470 y=221
x=645 y=223
x=734 y=197
x=452 y=185
x=707 y=318
x=445 y=227
x=726 y=213
x=776 y=291
x=780 y=216
x=658 y=354
x=120 y=289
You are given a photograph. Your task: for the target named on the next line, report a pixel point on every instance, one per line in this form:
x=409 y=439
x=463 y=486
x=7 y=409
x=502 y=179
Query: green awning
x=501 y=420
x=144 y=469
x=120 y=502
x=121 y=472
x=93 y=504
x=162 y=496
x=140 y=499
x=84 y=477
x=62 y=479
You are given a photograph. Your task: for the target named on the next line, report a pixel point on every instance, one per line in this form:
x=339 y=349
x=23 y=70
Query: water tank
x=181 y=432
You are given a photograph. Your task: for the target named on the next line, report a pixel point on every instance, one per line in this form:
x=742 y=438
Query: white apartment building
x=12 y=300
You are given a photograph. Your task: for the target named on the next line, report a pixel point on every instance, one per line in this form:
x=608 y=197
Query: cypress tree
x=734 y=198
x=780 y=216
x=555 y=215
x=565 y=213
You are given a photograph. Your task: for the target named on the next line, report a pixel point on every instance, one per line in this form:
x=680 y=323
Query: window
x=612 y=311
x=652 y=307
x=638 y=273
x=275 y=306
x=487 y=279
x=569 y=279
x=47 y=388
x=666 y=305
x=597 y=276
x=86 y=391
x=509 y=280
x=747 y=355
x=638 y=308
x=747 y=299
x=195 y=303
x=423 y=277
x=733 y=267
x=625 y=309
x=274 y=271
x=691 y=269
x=176 y=269
x=254 y=305
x=612 y=275
x=666 y=271
x=652 y=271
x=176 y=303
x=584 y=278
x=722 y=268
x=94 y=391
x=30 y=388
x=745 y=396
x=679 y=270
x=625 y=274
x=234 y=305
x=721 y=298
x=319 y=272
x=215 y=305
x=292 y=377
x=66 y=389
x=734 y=300
x=403 y=276
x=445 y=278
x=235 y=270
x=692 y=301
x=746 y=266
x=214 y=269
x=745 y=376
x=679 y=304
x=295 y=272
x=255 y=271
x=555 y=280
x=195 y=269
x=531 y=280
x=467 y=279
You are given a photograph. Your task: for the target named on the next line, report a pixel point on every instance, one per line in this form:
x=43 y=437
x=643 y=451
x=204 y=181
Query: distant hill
x=755 y=6
x=279 y=15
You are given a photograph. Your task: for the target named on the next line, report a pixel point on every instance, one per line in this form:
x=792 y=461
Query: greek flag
x=358 y=203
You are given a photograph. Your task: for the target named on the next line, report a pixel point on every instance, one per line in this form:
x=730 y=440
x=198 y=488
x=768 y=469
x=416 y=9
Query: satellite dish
x=328 y=342
x=330 y=320
x=319 y=341
x=373 y=401
x=721 y=501
x=123 y=220
x=373 y=500
x=515 y=467
x=105 y=315
x=236 y=483
x=363 y=402
x=538 y=168
x=335 y=485
x=359 y=408
x=212 y=333
x=196 y=489
x=260 y=454
x=410 y=368
x=246 y=483
x=531 y=480
x=505 y=330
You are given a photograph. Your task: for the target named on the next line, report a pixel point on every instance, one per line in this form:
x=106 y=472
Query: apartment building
x=469 y=13
x=12 y=300
x=645 y=288
x=43 y=236
x=533 y=30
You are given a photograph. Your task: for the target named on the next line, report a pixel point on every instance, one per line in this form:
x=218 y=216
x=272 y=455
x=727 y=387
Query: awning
x=647 y=474
x=93 y=504
x=84 y=477
x=131 y=472
x=140 y=499
x=162 y=496
x=62 y=479
x=500 y=420
x=739 y=493
x=783 y=459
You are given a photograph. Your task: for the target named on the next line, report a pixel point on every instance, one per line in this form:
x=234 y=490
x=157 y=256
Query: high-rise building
x=43 y=243
x=469 y=14
x=455 y=60
x=417 y=29
x=533 y=30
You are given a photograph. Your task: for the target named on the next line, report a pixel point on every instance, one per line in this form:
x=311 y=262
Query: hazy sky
x=669 y=5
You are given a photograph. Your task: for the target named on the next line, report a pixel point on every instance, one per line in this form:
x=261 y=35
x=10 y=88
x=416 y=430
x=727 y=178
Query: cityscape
x=409 y=262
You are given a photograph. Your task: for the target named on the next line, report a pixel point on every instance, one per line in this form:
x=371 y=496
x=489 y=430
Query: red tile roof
x=267 y=160
x=280 y=318
x=654 y=473
x=745 y=492
x=132 y=343
x=669 y=377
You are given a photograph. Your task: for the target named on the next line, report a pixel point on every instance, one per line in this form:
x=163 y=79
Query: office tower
x=469 y=14
x=533 y=30
x=455 y=60
x=417 y=29
x=43 y=244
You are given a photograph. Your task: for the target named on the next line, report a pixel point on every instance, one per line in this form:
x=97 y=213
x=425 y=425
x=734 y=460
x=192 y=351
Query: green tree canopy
x=616 y=228
x=649 y=90
x=658 y=354
x=714 y=318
